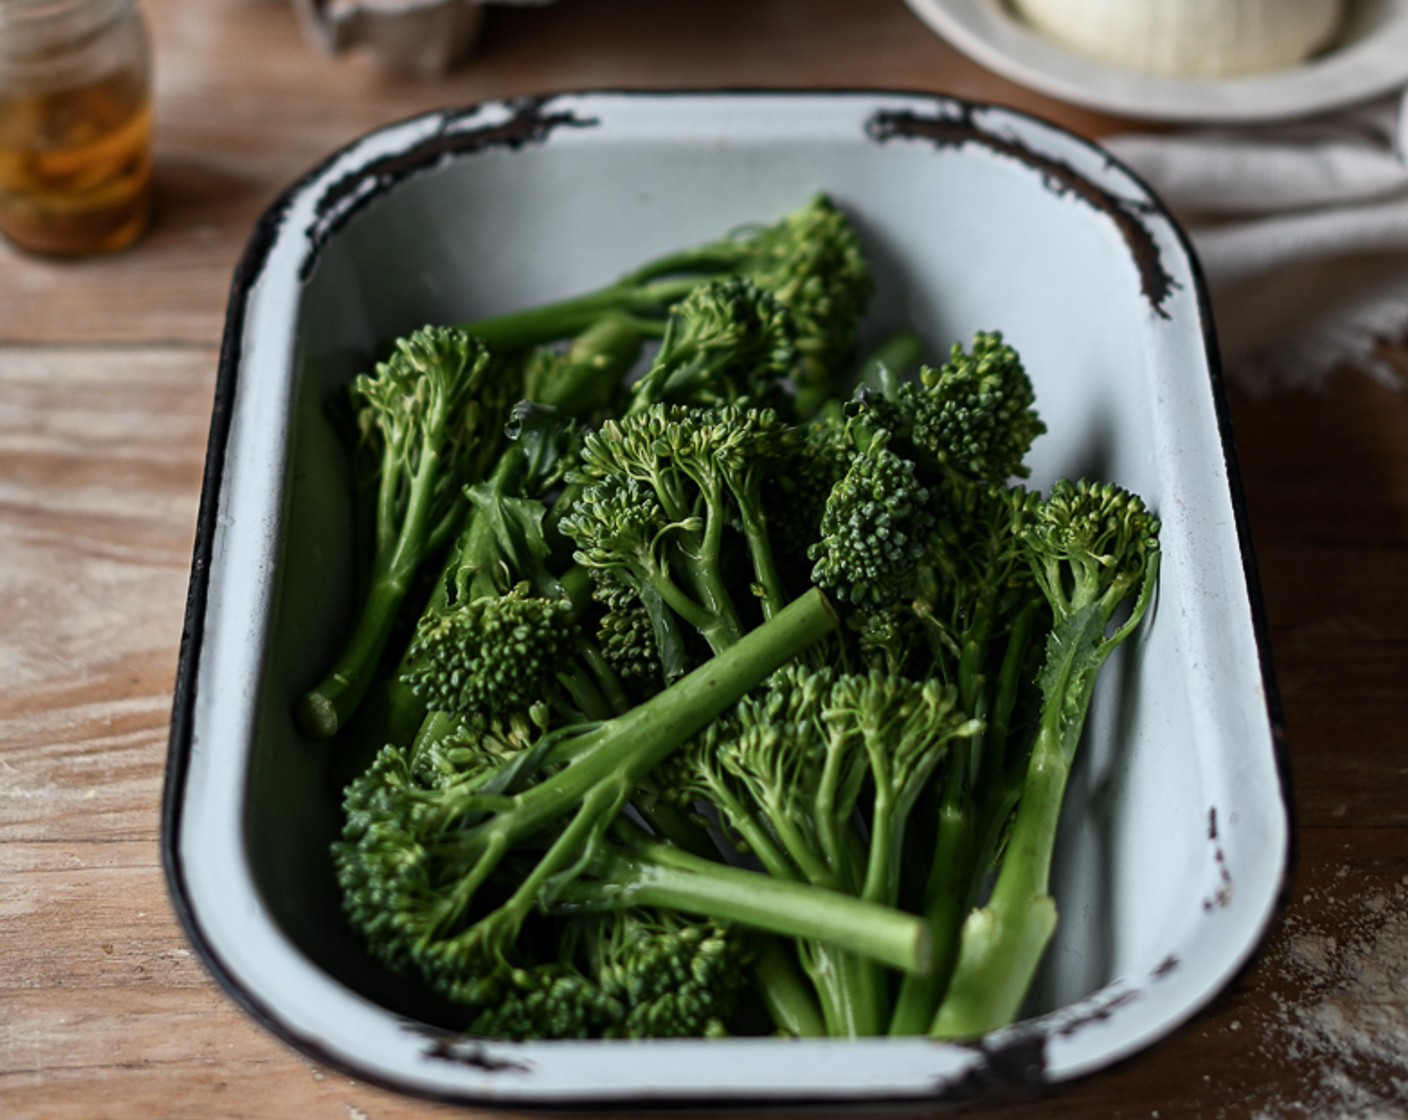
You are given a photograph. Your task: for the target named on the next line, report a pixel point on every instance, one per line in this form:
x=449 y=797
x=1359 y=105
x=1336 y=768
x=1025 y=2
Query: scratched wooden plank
x=1326 y=480
x=100 y=455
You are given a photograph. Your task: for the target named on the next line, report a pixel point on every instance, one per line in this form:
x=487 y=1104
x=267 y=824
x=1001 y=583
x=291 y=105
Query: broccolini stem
x=785 y=993
x=586 y=697
x=969 y=825
x=325 y=709
x=711 y=627
x=596 y=363
x=853 y=992
x=706 y=568
x=833 y=824
x=950 y=894
x=757 y=838
x=388 y=493
x=607 y=683
x=564 y=318
x=800 y=851
x=699 y=261
x=851 y=988
x=1003 y=941
x=1015 y=671
x=880 y=881
x=656 y=874
x=670 y=821
x=849 y=985
x=770 y=588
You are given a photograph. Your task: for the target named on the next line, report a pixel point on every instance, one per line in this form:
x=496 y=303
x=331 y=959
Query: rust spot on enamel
x=955 y=127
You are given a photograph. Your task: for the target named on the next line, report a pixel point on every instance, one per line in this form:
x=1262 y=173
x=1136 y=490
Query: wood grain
x=106 y=374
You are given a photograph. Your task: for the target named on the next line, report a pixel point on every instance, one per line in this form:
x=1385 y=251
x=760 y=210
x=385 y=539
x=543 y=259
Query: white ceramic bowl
x=1367 y=59
x=1173 y=854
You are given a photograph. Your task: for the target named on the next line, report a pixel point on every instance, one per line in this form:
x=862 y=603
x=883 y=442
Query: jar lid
x=34 y=30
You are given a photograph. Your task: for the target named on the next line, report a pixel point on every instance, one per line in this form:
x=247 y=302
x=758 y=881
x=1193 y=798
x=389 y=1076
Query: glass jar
x=75 y=125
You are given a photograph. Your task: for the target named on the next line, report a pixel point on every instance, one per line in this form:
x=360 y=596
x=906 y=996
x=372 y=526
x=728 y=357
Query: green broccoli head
x=813 y=262
x=738 y=443
x=727 y=342
x=974 y=417
x=975 y=577
x=405 y=842
x=430 y=418
x=396 y=854
x=547 y=1001
x=802 y=482
x=618 y=525
x=686 y=453
x=873 y=527
x=775 y=745
x=626 y=636
x=382 y=867
x=630 y=974
x=673 y=976
x=790 y=771
x=671 y=501
x=455 y=753
x=489 y=655
x=1091 y=543
x=407 y=865
x=423 y=408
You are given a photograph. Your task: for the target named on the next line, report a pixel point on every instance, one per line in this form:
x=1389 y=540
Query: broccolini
x=749 y=678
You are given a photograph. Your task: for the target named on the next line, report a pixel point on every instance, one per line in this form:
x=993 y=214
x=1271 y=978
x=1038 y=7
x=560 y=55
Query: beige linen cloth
x=1302 y=232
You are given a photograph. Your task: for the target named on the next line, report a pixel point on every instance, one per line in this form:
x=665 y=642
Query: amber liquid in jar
x=75 y=163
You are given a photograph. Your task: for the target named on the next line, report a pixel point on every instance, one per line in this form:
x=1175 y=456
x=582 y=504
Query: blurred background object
x=423 y=38
x=75 y=125
x=1207 y=38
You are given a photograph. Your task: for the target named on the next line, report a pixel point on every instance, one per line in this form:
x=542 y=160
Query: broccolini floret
x=641 y=778
x=633 y=973
x=728 y=342
x=975 y=415
x=503 y=632
x=1094 y=551
x=811 y=261
x=873 y=524
x=815 y=777
x=442 y=879
x=432 y=416
x=489 y=655
x=670 y=495
x=627 y=637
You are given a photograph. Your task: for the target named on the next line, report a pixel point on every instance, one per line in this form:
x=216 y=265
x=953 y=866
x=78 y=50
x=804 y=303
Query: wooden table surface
x=106 y=375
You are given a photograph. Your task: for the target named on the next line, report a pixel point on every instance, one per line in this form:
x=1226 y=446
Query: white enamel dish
x=1368 y=58
x=1174 y=850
